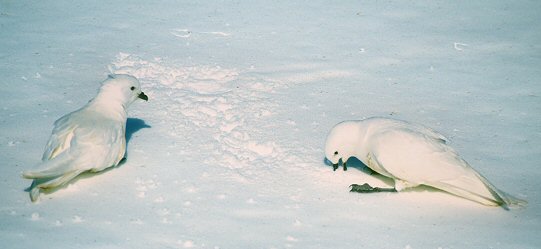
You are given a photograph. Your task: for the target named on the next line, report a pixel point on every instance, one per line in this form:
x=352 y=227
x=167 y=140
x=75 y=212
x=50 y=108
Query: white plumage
x=412 y=155
x=89 y=139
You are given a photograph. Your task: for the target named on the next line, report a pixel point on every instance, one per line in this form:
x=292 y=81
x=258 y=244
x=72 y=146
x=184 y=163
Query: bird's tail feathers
x=453 y=189
x=494 y=196
x=60 y=181
x=51 y=183
x=506 y=200
x=50 y=169
x=34 y=194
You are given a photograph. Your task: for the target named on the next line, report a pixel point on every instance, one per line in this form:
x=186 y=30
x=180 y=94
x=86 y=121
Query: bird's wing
x=419 y=158
x=94 y=146
x=61 y=137
x=412 y=155
x=101 y=142
x=429 y=132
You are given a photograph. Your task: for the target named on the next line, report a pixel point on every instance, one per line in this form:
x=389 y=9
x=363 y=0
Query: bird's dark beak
x=336 y=165
x=143 y=96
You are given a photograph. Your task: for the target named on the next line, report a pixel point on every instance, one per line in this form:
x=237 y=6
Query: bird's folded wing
x=55 y=167
x=61 y=137
x=103 y=143
x=416 y=157
x=431 y=133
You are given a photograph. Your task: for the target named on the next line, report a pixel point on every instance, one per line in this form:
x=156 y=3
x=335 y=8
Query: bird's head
x=341 y=143
x=122 y=88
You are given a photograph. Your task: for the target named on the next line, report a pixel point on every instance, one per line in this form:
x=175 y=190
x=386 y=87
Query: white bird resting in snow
x=411 y=155
x=90 y=139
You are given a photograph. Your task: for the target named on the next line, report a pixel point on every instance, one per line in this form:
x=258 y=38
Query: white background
x=228 y=151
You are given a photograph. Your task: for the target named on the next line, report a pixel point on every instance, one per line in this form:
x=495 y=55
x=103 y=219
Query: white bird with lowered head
x=411 y=155
x=90 y=139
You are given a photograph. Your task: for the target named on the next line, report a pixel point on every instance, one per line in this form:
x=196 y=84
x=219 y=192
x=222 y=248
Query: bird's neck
x=361 y=146
x=110 y=107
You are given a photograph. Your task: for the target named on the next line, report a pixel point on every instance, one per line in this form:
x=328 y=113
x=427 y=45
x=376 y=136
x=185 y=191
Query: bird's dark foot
x=366 y=188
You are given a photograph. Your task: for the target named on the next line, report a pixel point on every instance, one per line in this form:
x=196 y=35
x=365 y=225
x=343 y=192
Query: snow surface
x=228 y=152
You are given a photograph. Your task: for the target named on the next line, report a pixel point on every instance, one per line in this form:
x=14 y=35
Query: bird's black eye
x=336 y=153
x=132 y=88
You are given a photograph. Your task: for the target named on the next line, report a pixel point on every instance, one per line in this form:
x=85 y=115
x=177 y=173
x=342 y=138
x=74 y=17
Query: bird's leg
x=334 y=166
x=344 y=166
x=366 y=188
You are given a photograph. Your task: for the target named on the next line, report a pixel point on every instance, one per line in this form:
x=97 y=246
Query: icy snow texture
x=242 y=97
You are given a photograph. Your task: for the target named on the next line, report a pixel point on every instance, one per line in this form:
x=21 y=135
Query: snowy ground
x=228 y=152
